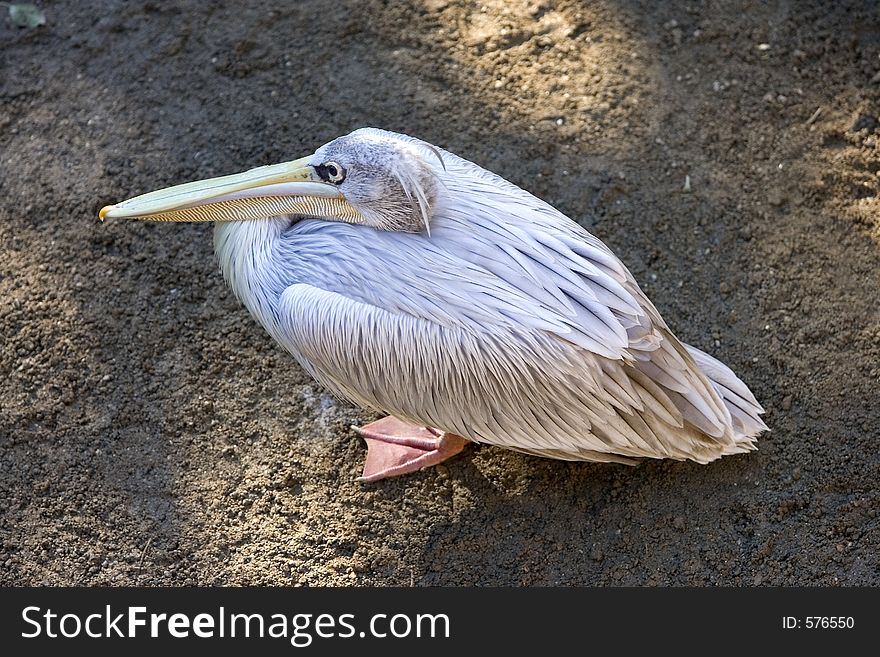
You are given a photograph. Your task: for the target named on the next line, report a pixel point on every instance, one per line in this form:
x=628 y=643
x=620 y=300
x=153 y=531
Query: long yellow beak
x=269 y=191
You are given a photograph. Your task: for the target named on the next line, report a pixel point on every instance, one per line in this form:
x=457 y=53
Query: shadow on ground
x=152 y=434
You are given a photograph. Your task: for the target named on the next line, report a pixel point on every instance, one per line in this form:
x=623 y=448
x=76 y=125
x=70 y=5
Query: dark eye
x=331 y=172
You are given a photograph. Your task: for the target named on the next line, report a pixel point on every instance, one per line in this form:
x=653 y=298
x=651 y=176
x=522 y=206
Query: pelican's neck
x=246 y=253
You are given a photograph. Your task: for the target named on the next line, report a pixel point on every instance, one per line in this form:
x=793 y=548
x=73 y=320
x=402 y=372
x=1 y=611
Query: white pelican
x=416 y=283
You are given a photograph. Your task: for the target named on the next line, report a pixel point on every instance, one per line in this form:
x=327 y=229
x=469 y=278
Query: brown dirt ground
x=151 y=433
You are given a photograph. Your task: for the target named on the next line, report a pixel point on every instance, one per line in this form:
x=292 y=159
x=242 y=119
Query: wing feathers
x=509 y=325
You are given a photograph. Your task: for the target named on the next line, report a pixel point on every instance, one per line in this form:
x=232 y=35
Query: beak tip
x=103 y=212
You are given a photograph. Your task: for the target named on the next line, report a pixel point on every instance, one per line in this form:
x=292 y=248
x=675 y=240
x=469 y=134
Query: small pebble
x=775 y=197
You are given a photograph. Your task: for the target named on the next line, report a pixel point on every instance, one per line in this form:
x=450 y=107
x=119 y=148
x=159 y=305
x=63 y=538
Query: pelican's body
x=487 y=314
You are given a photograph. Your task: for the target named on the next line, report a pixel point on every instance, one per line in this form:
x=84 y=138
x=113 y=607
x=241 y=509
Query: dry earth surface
x=151 y=433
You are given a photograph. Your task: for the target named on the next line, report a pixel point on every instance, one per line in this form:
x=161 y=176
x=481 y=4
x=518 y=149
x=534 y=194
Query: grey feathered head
x=386 y=179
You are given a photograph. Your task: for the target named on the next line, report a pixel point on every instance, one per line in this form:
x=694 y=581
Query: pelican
x=413 y=282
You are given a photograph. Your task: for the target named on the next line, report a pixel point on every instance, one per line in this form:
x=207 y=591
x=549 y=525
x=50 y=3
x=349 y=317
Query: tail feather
x=745 y=411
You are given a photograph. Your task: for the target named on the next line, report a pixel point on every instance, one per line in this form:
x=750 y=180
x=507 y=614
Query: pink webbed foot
x=395 y=447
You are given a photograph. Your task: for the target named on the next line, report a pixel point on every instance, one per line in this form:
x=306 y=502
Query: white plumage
x=501 y=320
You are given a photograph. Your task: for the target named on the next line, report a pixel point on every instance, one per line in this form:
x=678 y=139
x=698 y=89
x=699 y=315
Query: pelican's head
x=368 y=177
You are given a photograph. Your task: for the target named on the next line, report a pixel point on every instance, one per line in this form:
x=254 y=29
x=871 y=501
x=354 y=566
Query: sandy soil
x=151 y=433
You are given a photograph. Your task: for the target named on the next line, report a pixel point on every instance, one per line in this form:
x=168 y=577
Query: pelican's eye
x=331 y=172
